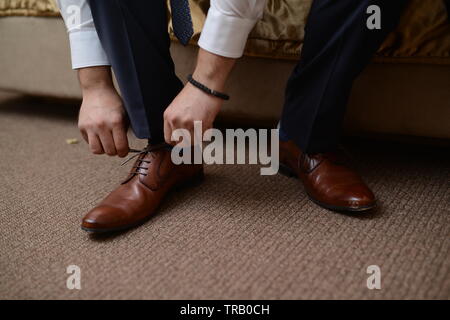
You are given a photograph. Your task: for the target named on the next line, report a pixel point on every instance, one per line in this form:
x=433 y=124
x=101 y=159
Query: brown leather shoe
x=137 y=198
x=328 y=182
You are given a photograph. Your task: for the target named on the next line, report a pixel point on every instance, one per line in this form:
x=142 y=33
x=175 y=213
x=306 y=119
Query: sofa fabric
x=423 y=34
x=39 y=8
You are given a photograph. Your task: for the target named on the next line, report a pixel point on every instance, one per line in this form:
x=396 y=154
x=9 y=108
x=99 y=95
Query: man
x=131 y=36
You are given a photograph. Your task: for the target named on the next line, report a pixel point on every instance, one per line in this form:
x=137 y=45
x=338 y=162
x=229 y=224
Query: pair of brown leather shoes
x=327 y=180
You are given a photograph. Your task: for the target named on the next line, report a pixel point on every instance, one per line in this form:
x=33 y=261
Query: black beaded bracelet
x=207 y=90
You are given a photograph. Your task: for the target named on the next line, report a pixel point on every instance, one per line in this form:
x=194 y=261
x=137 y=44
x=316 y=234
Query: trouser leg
x=337 y=46
x=135 y=38
x=447 y=4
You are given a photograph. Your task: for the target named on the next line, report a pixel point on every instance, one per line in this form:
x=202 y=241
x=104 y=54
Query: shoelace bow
x=146 y=150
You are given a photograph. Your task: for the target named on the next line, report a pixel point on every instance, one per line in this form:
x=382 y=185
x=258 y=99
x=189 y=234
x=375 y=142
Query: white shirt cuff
x=225 y=35
x=87 y=50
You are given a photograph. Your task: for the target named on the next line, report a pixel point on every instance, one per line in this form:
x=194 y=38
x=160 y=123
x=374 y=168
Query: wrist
x=212 y=70
x=209 y=79
x=206 y=90
x=98 y=92
x=93 y=79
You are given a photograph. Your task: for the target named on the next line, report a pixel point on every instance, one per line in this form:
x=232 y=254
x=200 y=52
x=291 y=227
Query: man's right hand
x=102 y=120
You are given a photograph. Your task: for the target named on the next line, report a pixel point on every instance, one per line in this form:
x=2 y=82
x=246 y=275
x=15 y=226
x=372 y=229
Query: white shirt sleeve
x=85 y=46
x=228 y=25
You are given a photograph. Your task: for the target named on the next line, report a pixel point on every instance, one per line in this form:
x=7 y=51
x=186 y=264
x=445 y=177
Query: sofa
x=404 y=91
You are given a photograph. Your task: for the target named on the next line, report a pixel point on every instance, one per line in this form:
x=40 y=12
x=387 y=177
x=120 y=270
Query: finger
x=94 y=143
x=186 y=139
x=207 y=132
x=191 y=133
x=182 y=132
x=121 y=141
x=185 y=132
x=168 y=132
x=107 y=141
x=84 y=135
x=198 y=131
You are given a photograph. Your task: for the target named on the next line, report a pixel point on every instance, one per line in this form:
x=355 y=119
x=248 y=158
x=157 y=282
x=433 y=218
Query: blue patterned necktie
x=181 y=20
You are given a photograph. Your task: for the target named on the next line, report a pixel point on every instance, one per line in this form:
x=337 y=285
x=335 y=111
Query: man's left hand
x=190 y=105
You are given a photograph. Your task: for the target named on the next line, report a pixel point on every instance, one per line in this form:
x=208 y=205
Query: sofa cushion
x=28 y=8
x=423 y=34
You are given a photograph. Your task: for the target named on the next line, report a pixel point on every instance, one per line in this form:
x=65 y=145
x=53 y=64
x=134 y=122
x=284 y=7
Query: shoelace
x=146 y=150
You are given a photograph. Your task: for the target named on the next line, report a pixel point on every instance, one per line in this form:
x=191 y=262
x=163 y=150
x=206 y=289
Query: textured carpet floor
x=238 y=235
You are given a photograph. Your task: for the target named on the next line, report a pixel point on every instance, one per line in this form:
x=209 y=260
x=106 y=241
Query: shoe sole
x=288 y=172
x=193 y=182
x=122 y=228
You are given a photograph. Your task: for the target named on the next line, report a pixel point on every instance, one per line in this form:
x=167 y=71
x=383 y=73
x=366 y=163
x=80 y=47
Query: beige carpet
x=237 y=236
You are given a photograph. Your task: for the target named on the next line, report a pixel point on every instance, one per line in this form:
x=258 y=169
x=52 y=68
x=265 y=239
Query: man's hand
x=192 y=104
x=102 y=120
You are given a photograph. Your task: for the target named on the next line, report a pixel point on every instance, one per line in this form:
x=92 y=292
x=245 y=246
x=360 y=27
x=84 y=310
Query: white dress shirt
x=225 y=32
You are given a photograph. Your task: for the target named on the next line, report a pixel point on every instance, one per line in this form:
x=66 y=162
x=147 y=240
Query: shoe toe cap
x=103 y=218
x=360 y=198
